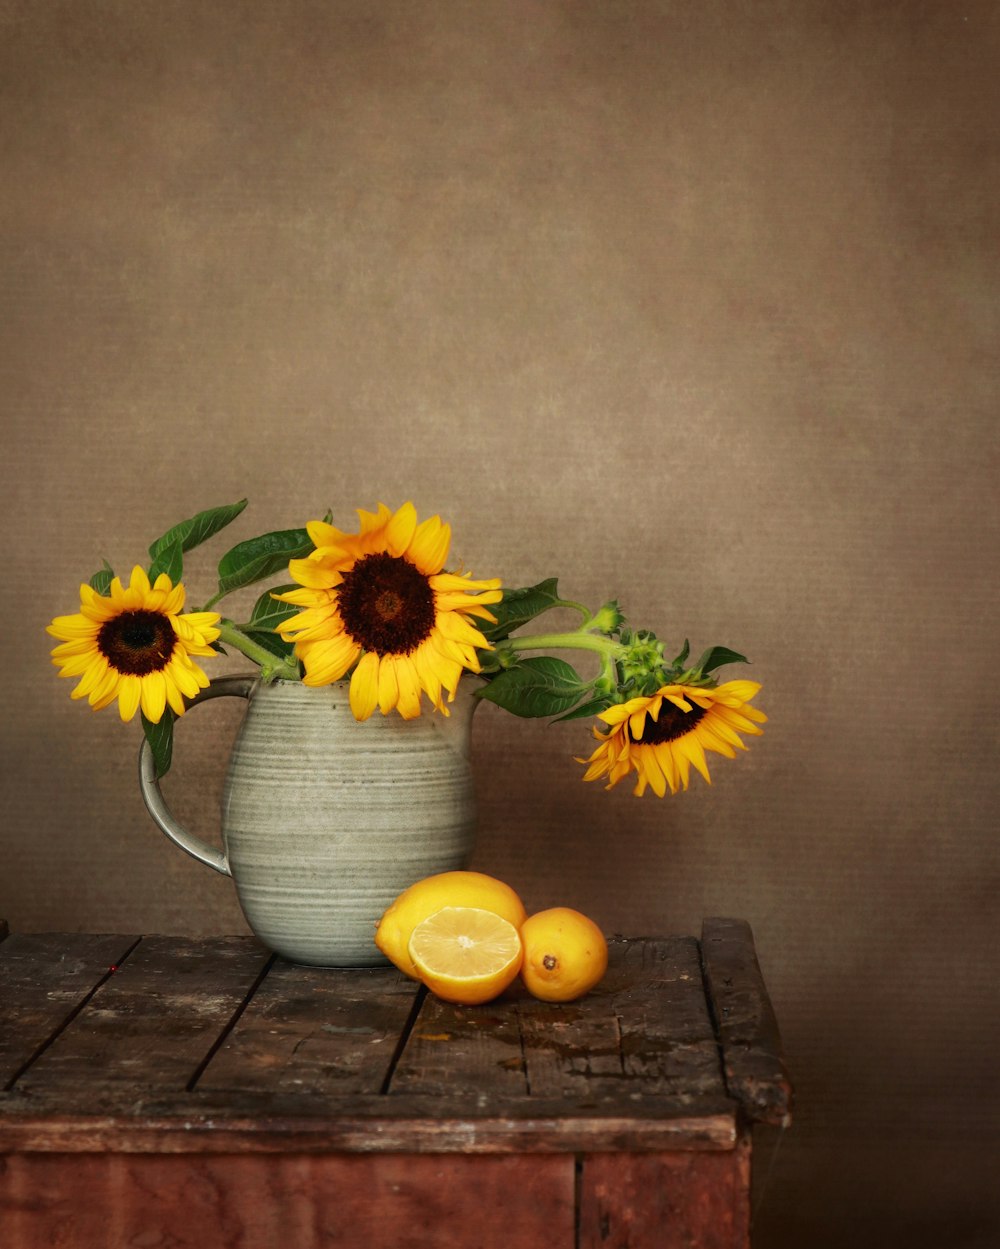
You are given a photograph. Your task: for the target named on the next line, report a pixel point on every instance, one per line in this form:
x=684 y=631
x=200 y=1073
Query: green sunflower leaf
x=518 y=607
x=161 y=740
x=681 y=659
x=261 y=557
x=101 y=580
x=542 y=686
x=193 y=532
x=590 y=708
x=267 y=613
x=169 y=560
x=716 y=656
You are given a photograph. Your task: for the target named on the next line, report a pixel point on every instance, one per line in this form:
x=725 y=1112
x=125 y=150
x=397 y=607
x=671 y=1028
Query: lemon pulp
x=466 y=954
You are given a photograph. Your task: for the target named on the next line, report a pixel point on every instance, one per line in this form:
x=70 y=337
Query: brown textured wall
x=689 y=303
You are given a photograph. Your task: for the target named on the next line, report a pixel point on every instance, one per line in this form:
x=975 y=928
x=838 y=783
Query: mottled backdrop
x=689 y=303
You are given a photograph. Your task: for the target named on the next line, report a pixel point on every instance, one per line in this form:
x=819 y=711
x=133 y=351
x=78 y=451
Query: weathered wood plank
x=667 y=1036
x=455 y=1049
x=670 y=1200
x=315 y=1030
x=645 y=1029
x=267 y=1123
x=44 y=978
x=153 y=1022
x=753 y=1061
x=309 y=1202
x=572 y=1050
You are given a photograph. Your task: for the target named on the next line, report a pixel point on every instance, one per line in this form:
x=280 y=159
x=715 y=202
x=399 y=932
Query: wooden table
x=165 y=1091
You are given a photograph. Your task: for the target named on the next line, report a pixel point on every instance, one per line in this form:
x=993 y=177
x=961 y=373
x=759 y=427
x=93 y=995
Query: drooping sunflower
x=661 y=736
x=378 y=599
x=134 y=645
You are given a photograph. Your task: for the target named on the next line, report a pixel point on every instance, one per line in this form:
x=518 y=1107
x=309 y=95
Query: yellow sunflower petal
x=665 y=758
x=388 y=686
x=401 y=529
x=129 y=691
x=174 y=696
x=312 y=574
x=364 y=686
x=80 y=646
x=409 y=688
x=94 y=606
x=372 y=521
x=428 y=679
x=70 y=628
x=738 y=721
x=648 y=765
x=305 y=598
x=743 y=691
x=75 y=665
x=327 y=660
x=95 y=674
x=153 y=696
x=429 y=545
x=105 y=691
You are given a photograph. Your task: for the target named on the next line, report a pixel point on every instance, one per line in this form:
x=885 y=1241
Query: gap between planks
x=223 y=1036
x=84 y=1002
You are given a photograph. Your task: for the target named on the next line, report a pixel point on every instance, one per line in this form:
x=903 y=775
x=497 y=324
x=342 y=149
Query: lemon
x=565 y=954
x=466 y=954
x=427 y=896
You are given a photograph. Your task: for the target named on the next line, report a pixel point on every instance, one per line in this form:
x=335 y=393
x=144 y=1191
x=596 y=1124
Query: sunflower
x=134 y=646
x=663 y=735
x=378 y=599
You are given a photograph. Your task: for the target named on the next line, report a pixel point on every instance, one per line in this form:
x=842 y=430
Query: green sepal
x=170 y=560
x=101 y=580
x=489 y=662
x=590 y=708
x=261 y=557
x=161 y=740
x=518 y=607
x=716 y=656
x=193 y=532
x=681 y=659
x=543 y=686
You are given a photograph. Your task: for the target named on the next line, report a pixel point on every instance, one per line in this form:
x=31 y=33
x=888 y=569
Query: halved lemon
x=427 y=896
x=465 y=954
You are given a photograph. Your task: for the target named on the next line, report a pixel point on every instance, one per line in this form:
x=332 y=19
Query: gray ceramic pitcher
x=325 y=819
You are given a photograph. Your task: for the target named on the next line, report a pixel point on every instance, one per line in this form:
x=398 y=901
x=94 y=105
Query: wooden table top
x=173 y=1044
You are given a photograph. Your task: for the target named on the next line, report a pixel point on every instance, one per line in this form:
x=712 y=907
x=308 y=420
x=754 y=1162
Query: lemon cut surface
x=466 y=954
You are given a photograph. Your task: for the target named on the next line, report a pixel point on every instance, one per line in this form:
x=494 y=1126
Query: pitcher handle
x=149 y=786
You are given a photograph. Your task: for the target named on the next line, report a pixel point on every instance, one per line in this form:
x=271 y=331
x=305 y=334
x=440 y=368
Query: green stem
x=271 y=666
x=214 y=599
x=568 y=602
x=605 y=646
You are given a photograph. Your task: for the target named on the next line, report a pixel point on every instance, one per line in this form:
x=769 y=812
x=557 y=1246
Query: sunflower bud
x=609 y=619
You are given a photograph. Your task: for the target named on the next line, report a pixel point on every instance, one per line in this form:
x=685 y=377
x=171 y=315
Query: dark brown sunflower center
x=673 y=723
x=387 y=604
x=137 y=642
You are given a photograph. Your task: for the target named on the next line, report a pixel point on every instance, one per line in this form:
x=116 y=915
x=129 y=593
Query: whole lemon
x=565 y=954
x=425 y=897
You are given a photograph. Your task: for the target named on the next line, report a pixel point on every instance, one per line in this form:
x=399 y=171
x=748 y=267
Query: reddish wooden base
x=379 y=1201
x=173 y=1093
